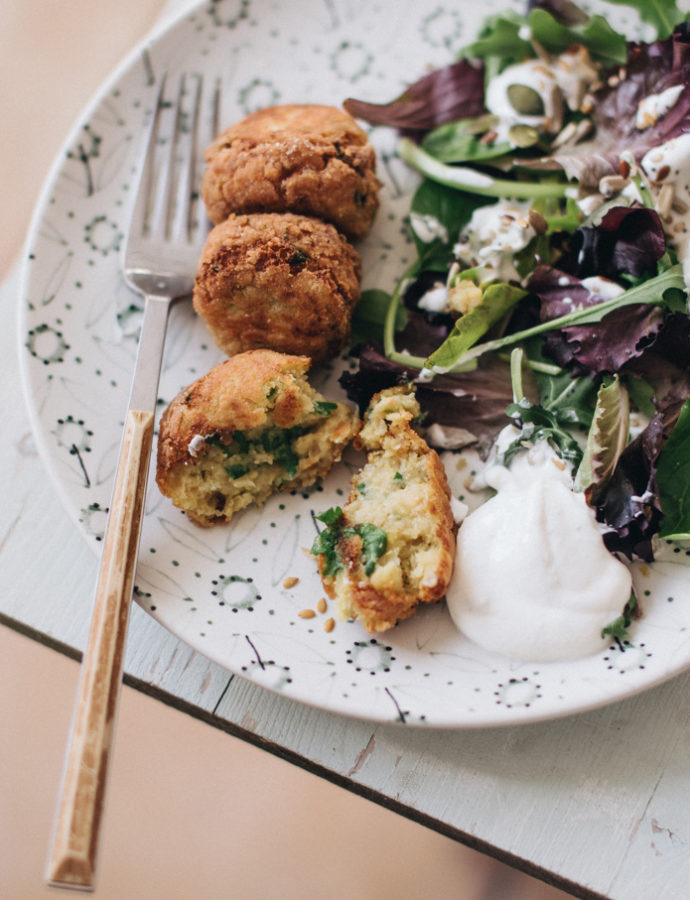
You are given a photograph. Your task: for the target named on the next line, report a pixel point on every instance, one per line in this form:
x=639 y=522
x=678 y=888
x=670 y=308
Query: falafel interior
x=250 y=427
x=392 y=546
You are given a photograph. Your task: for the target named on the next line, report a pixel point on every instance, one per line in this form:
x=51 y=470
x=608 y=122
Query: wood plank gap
x=222 y=694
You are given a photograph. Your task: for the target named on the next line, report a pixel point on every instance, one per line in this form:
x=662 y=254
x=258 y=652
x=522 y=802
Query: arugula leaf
x=475 y=182
x=497 y=300
x=606 y=439
x=673 y=480
x=537 y=422
x=653 y=292
x=570 y=398
x=663 y=15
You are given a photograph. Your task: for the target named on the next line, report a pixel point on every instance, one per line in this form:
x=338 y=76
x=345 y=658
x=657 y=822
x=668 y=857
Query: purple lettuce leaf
x=424 y=331
x=452 y=92
x=605 y=347
x=629 y=503
x=608 y=346
x=473 y=401
x=627 y=241
x=665 y=366
x=651 y=69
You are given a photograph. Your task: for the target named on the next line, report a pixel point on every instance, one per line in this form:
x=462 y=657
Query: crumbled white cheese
x=428 y=228
x=655 y=106
x=435 y=299
x=196 y=445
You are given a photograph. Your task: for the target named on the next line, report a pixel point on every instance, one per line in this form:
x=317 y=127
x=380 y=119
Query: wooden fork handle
x=73 y=853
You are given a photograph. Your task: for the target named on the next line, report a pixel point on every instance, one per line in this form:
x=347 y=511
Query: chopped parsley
x=374 y=542
x=236 y=471
x=324 y=407
x=276 y=442
x=618 y=628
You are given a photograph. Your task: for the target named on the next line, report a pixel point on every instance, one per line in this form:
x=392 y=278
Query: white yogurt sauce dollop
x=533 y=579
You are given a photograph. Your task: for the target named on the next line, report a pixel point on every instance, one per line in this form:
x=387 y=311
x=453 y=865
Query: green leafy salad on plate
x=547 y=306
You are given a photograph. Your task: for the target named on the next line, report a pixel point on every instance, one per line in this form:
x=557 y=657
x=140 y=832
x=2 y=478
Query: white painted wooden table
x=597 y=804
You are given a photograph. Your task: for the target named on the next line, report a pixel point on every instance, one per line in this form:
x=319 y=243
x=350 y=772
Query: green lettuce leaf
x=370 y=314
x=663 y=290
x=606 y=440
x=596 y=34
x=673 y=480
x=497 y=300
x=502 y=37
x=663 y=15
x=459 y=141
x=452 y=210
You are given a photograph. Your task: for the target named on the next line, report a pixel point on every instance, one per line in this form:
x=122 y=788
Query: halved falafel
x=250 y=427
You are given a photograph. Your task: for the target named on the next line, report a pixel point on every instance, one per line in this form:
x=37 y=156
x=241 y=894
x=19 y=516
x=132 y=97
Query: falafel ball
x=250 y=427
x=278 y=281
x=308 y=159
x=392 y=545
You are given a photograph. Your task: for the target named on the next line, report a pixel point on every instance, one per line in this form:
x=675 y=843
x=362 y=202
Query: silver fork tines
x=161 y=257
x=167 y=226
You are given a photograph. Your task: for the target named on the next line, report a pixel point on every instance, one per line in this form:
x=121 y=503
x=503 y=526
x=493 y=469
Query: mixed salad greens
x=550 y=285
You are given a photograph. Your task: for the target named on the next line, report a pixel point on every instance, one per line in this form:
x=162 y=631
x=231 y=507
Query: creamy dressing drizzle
x=494 y=234
x=672 y=160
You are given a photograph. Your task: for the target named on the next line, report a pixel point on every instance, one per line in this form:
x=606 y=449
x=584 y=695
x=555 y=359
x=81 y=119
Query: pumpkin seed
x=523 y=135
x=525 y=100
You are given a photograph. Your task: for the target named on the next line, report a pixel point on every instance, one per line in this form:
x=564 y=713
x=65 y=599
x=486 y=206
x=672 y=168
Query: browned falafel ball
x=308 y=159
x=249 y=427
x=278 y=281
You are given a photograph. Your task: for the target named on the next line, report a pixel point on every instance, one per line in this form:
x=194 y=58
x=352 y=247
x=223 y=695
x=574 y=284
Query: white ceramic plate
x=221 y=590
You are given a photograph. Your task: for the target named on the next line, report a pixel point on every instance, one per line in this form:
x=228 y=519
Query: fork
x=161 y=255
